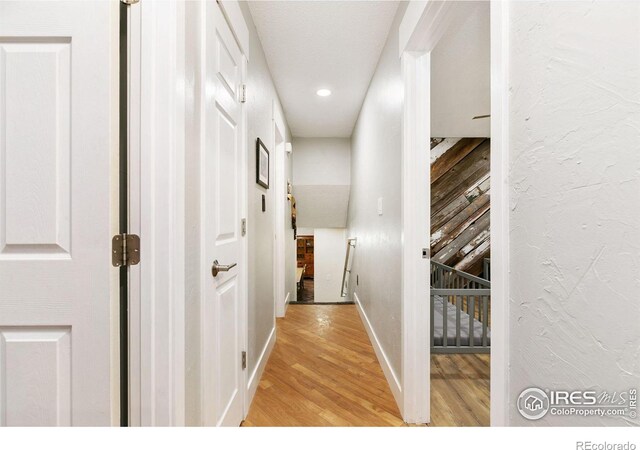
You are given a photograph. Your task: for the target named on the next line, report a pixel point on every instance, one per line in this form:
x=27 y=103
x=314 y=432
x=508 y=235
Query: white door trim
x=280 y=204
x=156 y=183
x=134 y=216
x=500 y=403
x=415 y=230
x=424 y=23
x=244 y=195
x=421 y=28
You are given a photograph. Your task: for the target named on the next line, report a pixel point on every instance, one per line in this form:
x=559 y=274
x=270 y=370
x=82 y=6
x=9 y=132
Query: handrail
x=350 y=243
x=443 y=276
x=464 y=292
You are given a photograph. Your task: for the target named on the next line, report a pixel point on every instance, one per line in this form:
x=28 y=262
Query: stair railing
x=469 y=297
x=351 y=243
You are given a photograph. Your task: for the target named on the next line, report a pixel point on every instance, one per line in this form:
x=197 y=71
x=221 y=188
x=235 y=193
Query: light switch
x=379 y=206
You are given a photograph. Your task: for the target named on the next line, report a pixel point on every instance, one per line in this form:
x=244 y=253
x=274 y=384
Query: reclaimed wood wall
x=460 y=182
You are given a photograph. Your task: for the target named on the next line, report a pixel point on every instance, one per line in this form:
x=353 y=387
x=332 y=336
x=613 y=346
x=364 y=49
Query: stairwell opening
x=460 y=245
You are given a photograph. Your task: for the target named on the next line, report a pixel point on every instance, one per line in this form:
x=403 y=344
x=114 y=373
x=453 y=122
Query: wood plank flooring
x=323 y=372
x=305 y=295
x=460 y=390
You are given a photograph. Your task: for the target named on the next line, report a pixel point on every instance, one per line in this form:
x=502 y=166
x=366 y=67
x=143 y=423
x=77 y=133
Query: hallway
x=323 y=372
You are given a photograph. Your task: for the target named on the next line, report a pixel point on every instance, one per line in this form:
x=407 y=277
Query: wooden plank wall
x=460 y=182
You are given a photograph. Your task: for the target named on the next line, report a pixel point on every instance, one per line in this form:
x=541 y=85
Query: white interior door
x=223 y=318
x=56 y=140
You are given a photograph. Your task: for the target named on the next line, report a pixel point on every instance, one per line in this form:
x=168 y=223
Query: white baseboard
x=254 y=379
x=287 y=300
x=389 y=373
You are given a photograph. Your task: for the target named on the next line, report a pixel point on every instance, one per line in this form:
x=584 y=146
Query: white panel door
x=222 y=193
x=55 y=148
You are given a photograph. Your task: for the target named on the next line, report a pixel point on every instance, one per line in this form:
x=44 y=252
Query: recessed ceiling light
x=323 y=92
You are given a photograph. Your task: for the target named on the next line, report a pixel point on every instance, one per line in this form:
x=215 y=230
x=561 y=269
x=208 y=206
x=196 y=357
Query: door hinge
x=125 y=250
x=243 y=93
x=243 y=226
x=244 y=360
x=129 y=2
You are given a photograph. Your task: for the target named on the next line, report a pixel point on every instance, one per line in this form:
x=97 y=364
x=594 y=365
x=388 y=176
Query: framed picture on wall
x=262 y=164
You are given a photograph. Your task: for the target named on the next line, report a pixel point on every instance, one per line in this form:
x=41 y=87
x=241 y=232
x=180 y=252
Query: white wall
x=461 y=75
x=306 y=231
x=260 y=230
x=574 y=140
x=330 y=247
x=321 y=179
x=375 y=172
x=321 y=161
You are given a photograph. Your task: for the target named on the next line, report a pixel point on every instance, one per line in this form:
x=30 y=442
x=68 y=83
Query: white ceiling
x=322 y=44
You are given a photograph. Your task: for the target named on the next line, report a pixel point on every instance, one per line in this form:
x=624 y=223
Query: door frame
x=279 y=254
x=422 y=26
x=156 y=213
x=500 y=295
x=415 y=392
x=244 y=195
x=158 y=98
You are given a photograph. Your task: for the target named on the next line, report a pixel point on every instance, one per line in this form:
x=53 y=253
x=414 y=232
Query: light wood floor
x=460 y=390
x=323 y=372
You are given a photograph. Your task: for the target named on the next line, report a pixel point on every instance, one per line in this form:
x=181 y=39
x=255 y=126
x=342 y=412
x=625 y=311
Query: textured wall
x=376 y=172
x=574 y=188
